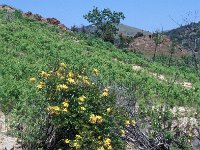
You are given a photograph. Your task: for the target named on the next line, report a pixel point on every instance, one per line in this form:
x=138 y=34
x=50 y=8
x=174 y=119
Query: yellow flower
x=93 y=119
x=63 y=65
x=53 y=109
x=105 y=94
x=62 y=77
x=105 y=90
x=107 y=142
x=79 y=76
x=65 y=110
x=127 y=122
x=41 y=85
x=122 y=133
x=70 y=74
x=33 y=79
x=95 y=71
x=86 y=80
x=78 y=137
x=76 y=145
x=133 y=122
x=108 y=110
x=44 y=74
x=61 y=87
x=67 y=141
x=99 y=119
x=81 y=99
x=65 y=103
x=101 y=148
x=82 y=108
x=190 y=134
x=71 y=81
x=109 y=147
x=56 y=108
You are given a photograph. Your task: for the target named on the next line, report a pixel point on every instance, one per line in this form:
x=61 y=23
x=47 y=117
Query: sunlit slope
x=28 y=46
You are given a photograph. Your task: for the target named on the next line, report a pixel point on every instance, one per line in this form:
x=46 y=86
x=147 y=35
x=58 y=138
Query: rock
x=7 y=142
x=2 y=123
x=53 y=21
x=62 y=26
x=7 y=8
x=28 y=14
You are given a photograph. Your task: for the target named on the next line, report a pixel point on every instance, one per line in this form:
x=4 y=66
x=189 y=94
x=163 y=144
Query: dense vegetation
x=28 y=47
x=185 y=33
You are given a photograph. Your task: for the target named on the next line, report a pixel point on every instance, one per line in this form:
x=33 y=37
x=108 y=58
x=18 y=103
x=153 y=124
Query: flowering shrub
x=83 y=114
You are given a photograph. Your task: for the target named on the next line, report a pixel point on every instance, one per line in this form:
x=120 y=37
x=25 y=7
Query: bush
x=81 y=113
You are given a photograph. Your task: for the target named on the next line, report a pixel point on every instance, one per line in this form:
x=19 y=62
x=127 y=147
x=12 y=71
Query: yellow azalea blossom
x=79 y=76
x=65 y=103
x=65 y=110
x=99 y=119
x=76 y=145
x=62 y=77
x=56 y=108
x=105 y=94
x=78 y=137
x=61 y=87
x=82 y=108
x=96 y=71
x=109 y=147
x=127 y=122
x=105 y=90
x=93 y=119
x=53 y=109
x=81 y=99
x=44 y=74
x=108 y=110
x=33 y=79
x=99 y=137
x=133 y=122
x=86 y=80
x=70 y=74
x=122 y=133
x=41 y=85
x=71 y=81
x=63 y=65
x=67 y=141
x=101 y=148
x=107 y=142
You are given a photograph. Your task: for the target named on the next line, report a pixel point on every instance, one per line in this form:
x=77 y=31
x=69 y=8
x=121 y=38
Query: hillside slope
x=186 y=33
x=131 y=31
x=28 y=46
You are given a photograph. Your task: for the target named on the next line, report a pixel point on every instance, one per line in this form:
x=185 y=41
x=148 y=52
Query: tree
x=105 y=22
x=189 y=38
x=172 y=49
x=157 y=38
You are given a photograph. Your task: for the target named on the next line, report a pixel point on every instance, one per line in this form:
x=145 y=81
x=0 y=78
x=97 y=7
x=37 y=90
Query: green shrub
x=82 y=114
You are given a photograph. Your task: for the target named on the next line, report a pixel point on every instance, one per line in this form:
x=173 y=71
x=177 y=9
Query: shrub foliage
x=82 y=114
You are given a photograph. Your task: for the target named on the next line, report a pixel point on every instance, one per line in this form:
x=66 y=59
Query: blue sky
x=149 y=15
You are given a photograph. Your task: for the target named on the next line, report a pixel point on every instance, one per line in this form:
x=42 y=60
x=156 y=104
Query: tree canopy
x=105 y=22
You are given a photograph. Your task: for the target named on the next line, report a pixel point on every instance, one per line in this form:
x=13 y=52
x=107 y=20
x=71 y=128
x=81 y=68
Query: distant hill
x=124 y=29
x=131 y=31
x=186 y=32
